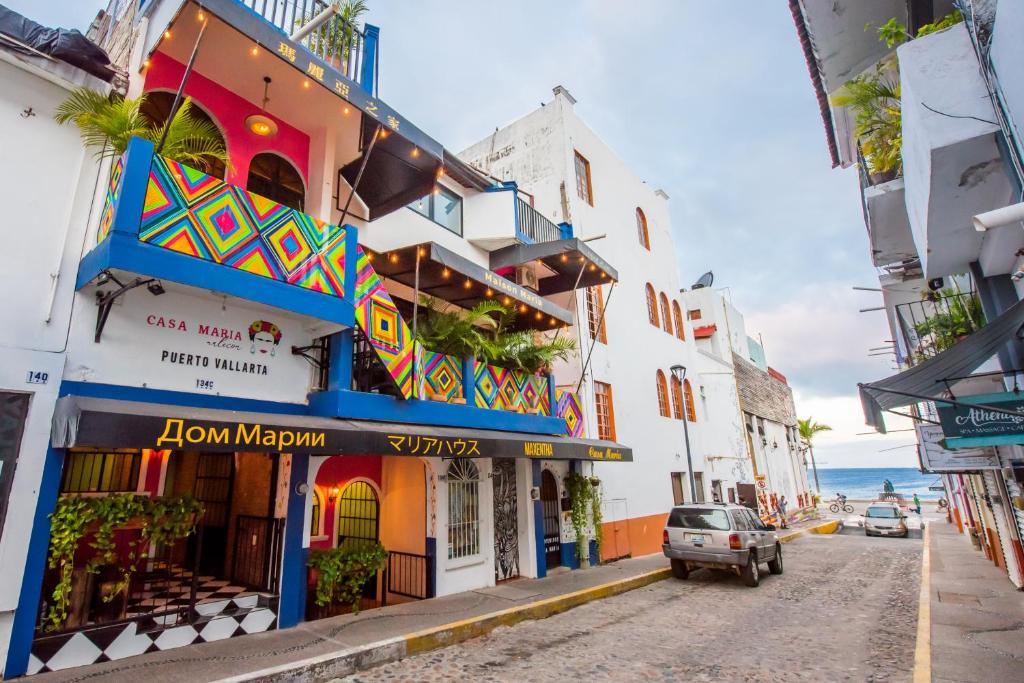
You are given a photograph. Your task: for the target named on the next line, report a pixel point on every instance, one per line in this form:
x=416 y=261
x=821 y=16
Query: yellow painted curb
x=458 y=631
x=923 y=650
x=826 y=528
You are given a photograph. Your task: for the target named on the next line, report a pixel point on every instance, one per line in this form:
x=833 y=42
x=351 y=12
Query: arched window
x=677 y=315
x=652 y=305
x=691 y=409
x=316 y=514
x=463 y=509
x=662 y=394
x=358 y=515
x=666 y=313
x=157 y=107
x=677 y=398
x=274 y=177
x=641 y=229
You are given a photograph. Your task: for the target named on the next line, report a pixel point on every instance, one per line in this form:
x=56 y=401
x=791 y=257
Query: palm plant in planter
x=874 y=100
x=961 y=317
x=108 y=123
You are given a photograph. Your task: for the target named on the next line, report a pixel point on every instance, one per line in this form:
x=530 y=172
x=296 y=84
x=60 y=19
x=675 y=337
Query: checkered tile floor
x=222 y=611
x=164 y=595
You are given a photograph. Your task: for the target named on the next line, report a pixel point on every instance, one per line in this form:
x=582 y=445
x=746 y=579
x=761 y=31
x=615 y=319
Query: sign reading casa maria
x=184 y=343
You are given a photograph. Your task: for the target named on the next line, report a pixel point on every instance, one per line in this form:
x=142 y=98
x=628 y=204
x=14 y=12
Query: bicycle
x=840 y=504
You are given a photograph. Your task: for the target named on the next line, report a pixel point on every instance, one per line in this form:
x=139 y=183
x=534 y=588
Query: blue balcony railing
x=350 y=50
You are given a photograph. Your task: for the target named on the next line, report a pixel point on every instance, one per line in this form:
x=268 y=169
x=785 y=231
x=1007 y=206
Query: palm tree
x=108 y=123
x=808 y=428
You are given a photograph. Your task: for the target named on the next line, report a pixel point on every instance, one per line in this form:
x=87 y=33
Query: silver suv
x=720 y=536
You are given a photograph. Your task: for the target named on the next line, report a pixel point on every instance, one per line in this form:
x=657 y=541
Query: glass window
x=691 y=409
x=741 y=520
x=882 y=512
x=316 y=513
x=463 y=509
x=100 y=472
x=652 y=305
x=677 y=315
x=595 y=320
x=584 y=187
x=442 y=206
x=358 y=515
x=698 y=518
x=275 y=178
x=641 y=229
x=666 y=314
x=605 y=411
x=662 y=394
x=157 y=106
x=677 y=398
x=755 y=521
x=693 y=314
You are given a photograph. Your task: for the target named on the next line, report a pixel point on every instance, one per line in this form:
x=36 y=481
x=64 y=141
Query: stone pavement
x=977 y=616
x=378 y=635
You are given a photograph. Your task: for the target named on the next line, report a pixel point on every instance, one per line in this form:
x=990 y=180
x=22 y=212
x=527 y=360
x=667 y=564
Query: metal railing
x=408 y=575
x=937 y=323
x=337 y=42
x=534 y=225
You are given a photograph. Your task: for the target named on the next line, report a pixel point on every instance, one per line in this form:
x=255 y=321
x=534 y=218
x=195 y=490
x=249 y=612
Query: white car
x=885 y=519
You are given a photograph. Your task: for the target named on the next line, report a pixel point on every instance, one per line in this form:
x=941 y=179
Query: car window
x=755 y=521
x=741 y=520
x=699 y=518
x=885 y=512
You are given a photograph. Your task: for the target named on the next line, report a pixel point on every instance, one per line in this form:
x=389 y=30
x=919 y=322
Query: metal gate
x=552 y=519
x=215 y=476
x=506 y=520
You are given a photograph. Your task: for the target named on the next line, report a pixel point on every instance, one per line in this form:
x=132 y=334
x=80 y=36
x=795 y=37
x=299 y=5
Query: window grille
x=101 y=472
x=463 y=509
x=358 y=515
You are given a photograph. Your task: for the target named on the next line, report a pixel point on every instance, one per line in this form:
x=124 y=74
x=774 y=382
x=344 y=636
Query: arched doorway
x=552 y=513
x=272 y=176
x=157 y=107
x=358 y=515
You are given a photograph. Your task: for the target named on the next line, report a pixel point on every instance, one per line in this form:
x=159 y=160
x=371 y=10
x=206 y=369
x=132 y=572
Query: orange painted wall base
x=635 y=536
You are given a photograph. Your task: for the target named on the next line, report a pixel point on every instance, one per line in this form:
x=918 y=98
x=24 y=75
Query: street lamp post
x=679 y=372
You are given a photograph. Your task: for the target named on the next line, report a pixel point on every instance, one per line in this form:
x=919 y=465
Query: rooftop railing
x=336 y=41
x=534 y=225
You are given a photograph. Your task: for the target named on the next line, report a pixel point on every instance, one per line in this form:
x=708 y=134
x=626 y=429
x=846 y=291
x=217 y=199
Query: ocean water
x=866 y=482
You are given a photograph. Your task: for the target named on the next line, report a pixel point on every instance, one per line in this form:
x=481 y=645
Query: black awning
x=565 y=257
x=927 y=381
x=449 y=277
x=106 y=423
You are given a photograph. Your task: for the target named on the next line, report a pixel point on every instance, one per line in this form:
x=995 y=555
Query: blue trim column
x=371 y=38
x=553 y=399
x=35 y=566
x=339 y=372
x=538 y=525
x=469 y=381
x=431 y=567
x=131 y=199
x=292 y=607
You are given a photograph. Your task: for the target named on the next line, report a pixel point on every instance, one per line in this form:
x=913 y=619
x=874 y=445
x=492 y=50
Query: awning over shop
x=927 y=381
x=445 y=275
x=566 y=258
x=83 y=422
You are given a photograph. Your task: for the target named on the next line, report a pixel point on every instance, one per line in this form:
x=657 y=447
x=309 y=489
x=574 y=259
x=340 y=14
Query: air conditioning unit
x=526 y=276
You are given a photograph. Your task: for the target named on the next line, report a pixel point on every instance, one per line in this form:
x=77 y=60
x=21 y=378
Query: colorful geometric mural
x=503 y=389
x=380 y=321
x=113 y=189
x=570 y=408
x=442 y=374
x=199 y=215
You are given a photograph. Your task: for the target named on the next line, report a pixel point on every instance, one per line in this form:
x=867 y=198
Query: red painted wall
x=229 y=112
x=338 y=471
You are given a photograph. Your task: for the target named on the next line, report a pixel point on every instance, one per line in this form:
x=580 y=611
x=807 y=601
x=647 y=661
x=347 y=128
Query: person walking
x=917 y=504
x=781 y=507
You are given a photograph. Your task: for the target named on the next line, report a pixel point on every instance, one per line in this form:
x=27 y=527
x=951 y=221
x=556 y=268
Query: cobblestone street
x=845 y=609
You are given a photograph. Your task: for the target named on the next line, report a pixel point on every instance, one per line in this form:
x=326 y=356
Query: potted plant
x=874 y=100
x=339 y=574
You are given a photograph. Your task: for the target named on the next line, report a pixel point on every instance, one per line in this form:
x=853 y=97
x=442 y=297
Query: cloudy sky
x=709 y=101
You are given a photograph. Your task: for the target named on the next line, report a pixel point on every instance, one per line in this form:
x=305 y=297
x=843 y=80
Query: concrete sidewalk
x=340 y=645
x=976 y=614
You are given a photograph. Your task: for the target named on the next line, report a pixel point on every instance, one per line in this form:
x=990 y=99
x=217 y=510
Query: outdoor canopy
x=926 y=381
x=88 y=422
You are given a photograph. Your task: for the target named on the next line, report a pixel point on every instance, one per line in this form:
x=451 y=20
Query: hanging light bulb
x=261 y=124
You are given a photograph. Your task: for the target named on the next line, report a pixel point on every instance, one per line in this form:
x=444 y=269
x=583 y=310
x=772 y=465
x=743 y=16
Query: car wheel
x=775 y=566
x=679 y=570
x=751 y=573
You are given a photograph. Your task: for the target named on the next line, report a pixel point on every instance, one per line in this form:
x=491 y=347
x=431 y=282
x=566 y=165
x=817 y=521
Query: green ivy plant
x=894 y=32
x=161 y=520
x=342 y=572
x=585 y=510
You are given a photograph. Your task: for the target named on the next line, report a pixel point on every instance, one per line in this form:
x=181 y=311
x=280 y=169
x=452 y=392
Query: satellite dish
x=705 y=281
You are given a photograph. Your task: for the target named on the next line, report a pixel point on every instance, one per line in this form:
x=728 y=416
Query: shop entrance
x=552 y=513
x=506 y=520
x=214 y=480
